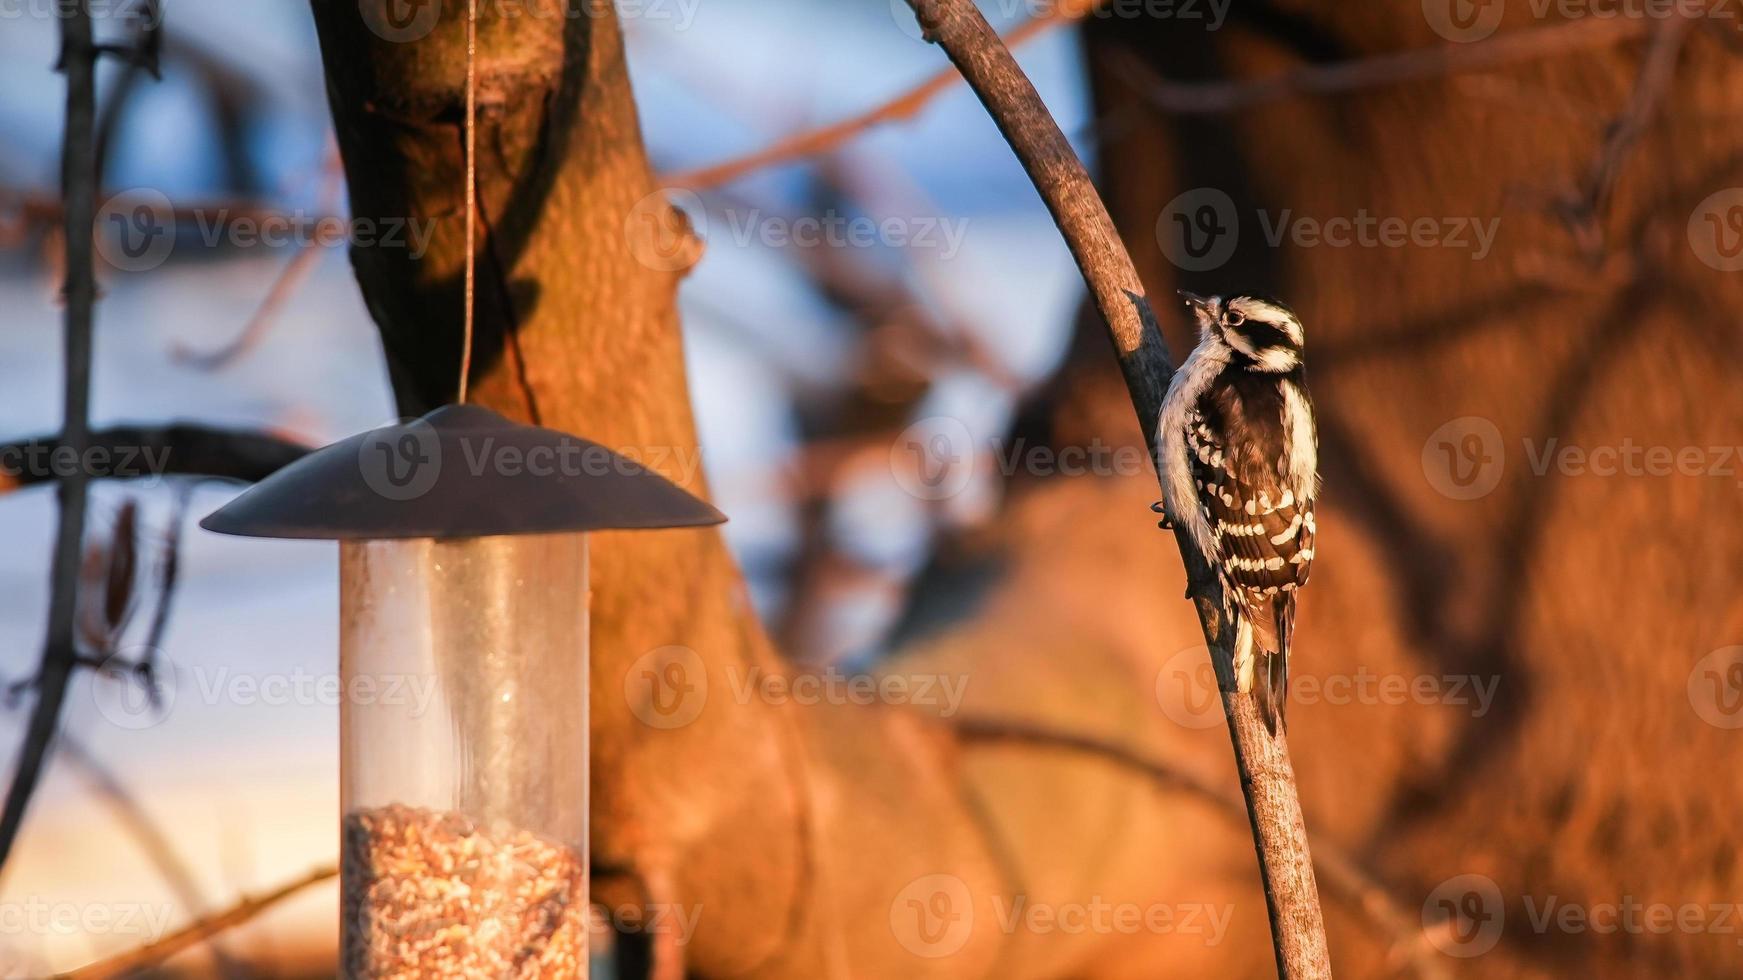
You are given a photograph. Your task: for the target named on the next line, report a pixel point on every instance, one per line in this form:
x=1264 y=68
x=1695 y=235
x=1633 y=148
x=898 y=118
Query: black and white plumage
x=1240 y=465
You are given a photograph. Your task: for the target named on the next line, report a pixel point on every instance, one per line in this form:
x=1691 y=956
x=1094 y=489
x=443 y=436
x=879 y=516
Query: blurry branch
x=135 y=452
x=141 y=59
x=1344 y=875
x=169 y=565
x=196 y=932
x=284 y=286
x=295 y=273
x=1377 y=71
x=33 y=209
x=1583 y=212
x=1267 y=777
x=79 y=188
x=905 y=106
x=156 y=845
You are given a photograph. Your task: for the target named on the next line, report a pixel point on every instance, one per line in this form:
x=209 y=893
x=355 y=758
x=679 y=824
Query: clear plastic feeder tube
x=463 y=744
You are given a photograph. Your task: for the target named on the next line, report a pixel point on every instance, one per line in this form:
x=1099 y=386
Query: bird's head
x=1263 y=331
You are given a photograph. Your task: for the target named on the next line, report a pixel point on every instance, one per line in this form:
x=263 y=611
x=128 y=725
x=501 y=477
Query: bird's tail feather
x=1271 y=689
x=1269 y=628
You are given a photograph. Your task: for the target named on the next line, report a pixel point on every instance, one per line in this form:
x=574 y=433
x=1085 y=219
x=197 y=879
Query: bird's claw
x=1165 y=524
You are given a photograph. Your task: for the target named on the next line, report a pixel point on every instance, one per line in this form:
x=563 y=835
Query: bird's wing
x=1264 y=535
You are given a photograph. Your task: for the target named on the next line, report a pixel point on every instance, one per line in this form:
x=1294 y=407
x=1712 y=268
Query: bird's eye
x=1235 y=318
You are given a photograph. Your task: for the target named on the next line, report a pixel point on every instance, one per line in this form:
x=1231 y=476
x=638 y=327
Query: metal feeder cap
x=458 y=472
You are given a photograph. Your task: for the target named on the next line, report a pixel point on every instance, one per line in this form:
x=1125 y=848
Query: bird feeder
x=463 y=661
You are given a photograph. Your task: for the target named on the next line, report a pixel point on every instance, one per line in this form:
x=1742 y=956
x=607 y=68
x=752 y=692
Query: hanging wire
x=471 y=191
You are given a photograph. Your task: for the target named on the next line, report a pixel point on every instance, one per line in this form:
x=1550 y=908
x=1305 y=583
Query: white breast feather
x=1304 y=454
x=1180 y=496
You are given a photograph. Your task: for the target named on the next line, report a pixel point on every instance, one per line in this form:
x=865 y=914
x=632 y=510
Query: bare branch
x=136 y=452
x=155 y=844
x=79 y=189
x=1267 y=777
x=1583 y=211
x=197 y=931
x=905 y=106
x=1377 y=71
x=1344 y=875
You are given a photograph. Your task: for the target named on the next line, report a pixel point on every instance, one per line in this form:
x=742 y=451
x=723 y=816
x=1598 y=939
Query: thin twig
x=156 y=845
x=295 y=273
x=1376 y=71
x=196 y=932
x=1262 y=759
x=821 y=140
x=1344 y=875
x=284 y=286
x=1584 y=211
x=79 y=189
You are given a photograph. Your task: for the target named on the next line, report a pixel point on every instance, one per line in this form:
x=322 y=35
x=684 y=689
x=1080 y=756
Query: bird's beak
x=1200 y=305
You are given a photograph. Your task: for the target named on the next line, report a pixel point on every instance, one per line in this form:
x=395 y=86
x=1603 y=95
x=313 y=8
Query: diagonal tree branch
x=143 y=958
x=1374 y=71
x=79 y=189
x=1345 y=877
x=814 y=142
x=1267 y=778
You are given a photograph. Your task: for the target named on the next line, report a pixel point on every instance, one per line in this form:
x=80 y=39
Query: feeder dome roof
x=460 y=471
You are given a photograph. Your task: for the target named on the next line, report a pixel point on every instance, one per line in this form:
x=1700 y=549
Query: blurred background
x=1513 y=231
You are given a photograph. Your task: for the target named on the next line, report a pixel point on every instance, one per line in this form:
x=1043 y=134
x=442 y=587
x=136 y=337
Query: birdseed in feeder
x=431 y=894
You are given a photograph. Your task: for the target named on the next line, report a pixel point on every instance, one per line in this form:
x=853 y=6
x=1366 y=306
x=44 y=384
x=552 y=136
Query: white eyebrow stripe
x=1271 y=313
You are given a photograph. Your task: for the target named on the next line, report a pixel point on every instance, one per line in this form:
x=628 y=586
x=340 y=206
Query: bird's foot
x=1165 y=524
